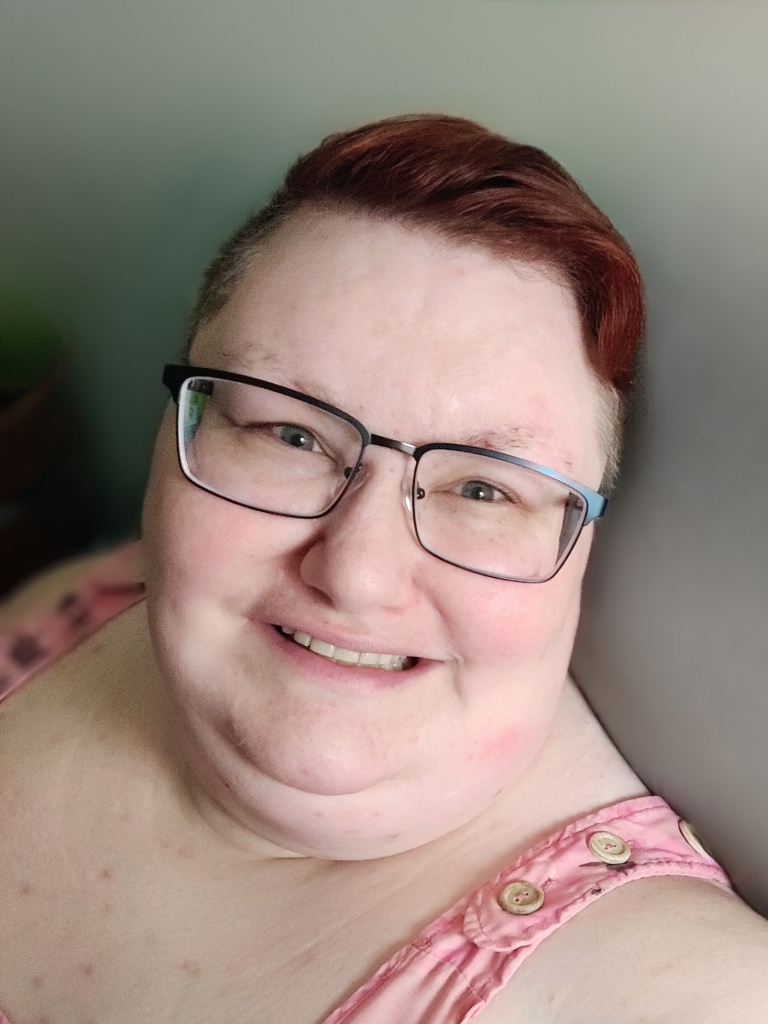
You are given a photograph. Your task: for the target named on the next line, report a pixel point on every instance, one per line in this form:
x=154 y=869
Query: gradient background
x=136 y=135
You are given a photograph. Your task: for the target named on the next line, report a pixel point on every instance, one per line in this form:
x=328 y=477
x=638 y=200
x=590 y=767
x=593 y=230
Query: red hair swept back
x=453 y=176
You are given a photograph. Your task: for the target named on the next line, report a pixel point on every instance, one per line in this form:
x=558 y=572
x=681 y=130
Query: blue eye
x=478 y=490
x=297 y=437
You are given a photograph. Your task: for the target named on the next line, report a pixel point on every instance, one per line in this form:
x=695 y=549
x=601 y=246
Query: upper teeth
x=392 y=662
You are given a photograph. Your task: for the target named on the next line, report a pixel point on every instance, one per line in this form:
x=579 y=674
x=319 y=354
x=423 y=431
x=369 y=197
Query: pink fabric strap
x=108 y=587
x=458 y=964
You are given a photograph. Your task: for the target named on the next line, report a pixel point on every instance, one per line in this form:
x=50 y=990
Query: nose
x=365 y=554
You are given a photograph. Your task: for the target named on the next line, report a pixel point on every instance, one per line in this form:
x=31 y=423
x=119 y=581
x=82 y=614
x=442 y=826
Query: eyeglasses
x=275 y=450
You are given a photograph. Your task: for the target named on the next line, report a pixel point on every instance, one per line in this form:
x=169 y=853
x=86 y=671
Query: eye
x=479 y=490
x=297 y=437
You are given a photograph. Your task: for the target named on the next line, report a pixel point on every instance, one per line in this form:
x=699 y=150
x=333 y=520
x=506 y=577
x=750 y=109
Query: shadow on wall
x=46 y=512
x=673 y=646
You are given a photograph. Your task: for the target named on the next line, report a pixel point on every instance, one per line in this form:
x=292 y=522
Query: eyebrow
x=501 y=439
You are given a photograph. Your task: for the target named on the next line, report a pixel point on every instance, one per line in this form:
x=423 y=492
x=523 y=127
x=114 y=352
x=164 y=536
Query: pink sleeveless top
x=450 y=971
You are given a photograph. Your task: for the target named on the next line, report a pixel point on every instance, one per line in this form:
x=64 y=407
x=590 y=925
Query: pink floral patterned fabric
x=108 y=587
x=452 y=970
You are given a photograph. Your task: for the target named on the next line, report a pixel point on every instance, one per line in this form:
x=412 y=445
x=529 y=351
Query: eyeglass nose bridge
x=380 y=441
x=390 y=442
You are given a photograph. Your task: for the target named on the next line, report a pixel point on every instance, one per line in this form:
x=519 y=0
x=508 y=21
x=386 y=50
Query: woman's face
x=423 y=341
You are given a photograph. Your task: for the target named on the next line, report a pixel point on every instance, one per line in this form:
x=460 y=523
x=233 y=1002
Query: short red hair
x=452 y=176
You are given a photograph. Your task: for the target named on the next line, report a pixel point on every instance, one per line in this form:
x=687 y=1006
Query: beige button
x=520 y=898
x=694 y=840
x=608 y=848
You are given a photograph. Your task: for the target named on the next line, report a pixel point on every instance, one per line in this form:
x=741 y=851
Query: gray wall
x=135 y=135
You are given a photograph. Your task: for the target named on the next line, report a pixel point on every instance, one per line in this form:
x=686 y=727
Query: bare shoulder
x=658 y=951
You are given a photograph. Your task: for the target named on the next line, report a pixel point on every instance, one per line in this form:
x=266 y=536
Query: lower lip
x=327 y=671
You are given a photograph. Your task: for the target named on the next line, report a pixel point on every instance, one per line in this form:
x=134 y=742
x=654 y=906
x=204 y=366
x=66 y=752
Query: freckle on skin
x=192 y=968
x=26 y=889
x=107 y=908
x=87 y=969
x=37 y=981
x=185 y=853
x=106 y=874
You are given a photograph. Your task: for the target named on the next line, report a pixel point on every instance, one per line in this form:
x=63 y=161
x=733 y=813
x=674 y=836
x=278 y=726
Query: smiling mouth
x=351 y=659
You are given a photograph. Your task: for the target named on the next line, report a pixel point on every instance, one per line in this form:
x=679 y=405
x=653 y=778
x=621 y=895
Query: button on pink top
x=450 y=972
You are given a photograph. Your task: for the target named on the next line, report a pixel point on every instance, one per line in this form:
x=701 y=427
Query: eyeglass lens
x=280 y=454
x=264 y=449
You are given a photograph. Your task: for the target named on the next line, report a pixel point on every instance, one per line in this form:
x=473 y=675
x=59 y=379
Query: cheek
x=198 y=544
x=518 y=626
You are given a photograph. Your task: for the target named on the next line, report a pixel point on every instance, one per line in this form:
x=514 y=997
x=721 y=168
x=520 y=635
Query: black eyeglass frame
x=595 y=504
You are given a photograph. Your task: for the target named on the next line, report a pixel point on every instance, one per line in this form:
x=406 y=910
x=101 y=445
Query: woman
x=344 y=705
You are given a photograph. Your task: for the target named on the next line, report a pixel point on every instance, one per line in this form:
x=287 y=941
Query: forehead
x=420 y=338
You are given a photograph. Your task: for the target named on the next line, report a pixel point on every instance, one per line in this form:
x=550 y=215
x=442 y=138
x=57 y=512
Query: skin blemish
x=87 y=970
x=192 y=968
x=37 y=981
x=498 y=746
x=106 y=874
x=25 y=889
x=107 y=908
x=185 y=853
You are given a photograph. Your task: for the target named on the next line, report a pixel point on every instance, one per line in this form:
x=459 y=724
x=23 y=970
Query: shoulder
x=661 y=950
